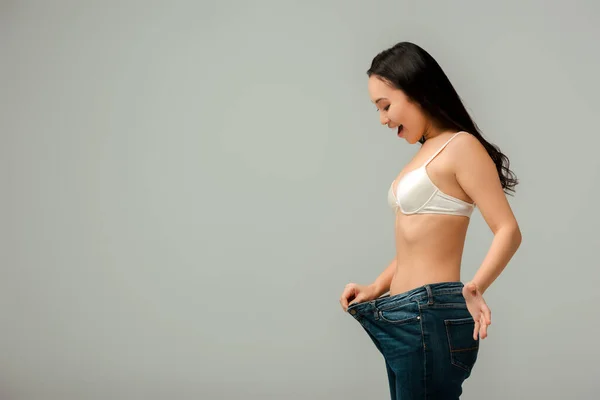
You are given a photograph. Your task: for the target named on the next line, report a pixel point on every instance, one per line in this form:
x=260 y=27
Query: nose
x=384 y=120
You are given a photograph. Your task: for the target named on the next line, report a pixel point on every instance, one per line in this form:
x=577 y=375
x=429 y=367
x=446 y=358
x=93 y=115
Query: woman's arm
x=477 y=175
x=382 y=284
x=507 y=240
x=355 y=293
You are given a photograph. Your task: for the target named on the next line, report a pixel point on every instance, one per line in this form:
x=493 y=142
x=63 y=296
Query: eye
x=387 y=108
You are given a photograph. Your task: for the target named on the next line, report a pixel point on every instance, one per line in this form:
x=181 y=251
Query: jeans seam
x=424 y=351
x=399 y=322
x=380 y=312
x=392 y=306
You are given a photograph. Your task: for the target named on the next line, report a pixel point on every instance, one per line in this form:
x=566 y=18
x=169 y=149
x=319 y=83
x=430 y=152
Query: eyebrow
x=379 y=99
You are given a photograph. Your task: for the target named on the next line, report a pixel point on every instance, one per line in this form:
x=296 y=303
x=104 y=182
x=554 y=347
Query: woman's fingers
x=359 y=298
x=346 y=294
x=476 y=330
x=488 y=314
x=483 y=330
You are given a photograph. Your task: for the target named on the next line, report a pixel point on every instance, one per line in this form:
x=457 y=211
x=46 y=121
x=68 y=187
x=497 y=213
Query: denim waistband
x=416 y=294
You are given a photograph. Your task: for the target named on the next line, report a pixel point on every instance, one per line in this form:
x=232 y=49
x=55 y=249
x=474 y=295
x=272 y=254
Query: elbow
x=511 y=233
x=516 y=235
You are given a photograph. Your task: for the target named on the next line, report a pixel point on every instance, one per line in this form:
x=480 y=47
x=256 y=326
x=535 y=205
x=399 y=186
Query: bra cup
x=417 y=194
x=414 y=191
x=391 y=198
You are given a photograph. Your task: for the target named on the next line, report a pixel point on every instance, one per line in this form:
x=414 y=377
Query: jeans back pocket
x=463 y=348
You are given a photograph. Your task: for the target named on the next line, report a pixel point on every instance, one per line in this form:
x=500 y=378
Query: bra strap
x=442 y=148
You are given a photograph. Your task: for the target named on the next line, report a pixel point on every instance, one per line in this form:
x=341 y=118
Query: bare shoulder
x=469 y=146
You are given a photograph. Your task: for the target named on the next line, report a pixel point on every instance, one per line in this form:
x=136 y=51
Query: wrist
x=481 y=288
x=377 y=288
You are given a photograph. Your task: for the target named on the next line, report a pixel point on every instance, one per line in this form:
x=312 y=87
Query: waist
x=423 y=292
x=441 y=292
x=429 y=260
x=409 y=275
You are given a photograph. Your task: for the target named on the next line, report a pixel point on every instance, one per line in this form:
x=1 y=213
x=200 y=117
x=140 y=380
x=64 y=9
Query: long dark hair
x=413 y=70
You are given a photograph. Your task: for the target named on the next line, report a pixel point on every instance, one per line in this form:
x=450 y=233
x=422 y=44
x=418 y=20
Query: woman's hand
x=478 y=308
x=355 y=293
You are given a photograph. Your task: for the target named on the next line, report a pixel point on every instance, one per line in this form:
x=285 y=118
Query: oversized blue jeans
x=426 y=338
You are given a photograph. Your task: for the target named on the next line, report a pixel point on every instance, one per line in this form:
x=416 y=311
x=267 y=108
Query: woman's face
x=397 y=111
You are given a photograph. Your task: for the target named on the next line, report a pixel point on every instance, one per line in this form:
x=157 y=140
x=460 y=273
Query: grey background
x=187 y=188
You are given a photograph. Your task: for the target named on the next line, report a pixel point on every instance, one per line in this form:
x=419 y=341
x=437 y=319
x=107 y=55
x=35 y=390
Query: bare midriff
x=429 y=249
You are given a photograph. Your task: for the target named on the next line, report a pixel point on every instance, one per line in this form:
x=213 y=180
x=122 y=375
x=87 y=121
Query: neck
x=432 y=131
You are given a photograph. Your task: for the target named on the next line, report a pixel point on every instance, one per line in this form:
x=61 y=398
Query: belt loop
x=375 y=309
x=429 y=295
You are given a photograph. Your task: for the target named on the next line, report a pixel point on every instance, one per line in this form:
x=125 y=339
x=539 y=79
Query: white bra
x=417 y=194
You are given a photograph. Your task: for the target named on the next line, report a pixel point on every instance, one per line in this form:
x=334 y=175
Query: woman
x=429 y=325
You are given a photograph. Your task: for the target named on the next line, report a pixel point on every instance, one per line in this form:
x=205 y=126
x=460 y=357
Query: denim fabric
x=426 y=338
